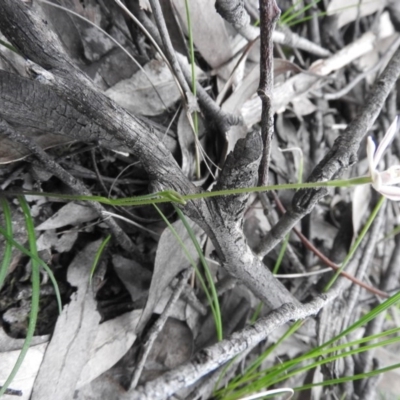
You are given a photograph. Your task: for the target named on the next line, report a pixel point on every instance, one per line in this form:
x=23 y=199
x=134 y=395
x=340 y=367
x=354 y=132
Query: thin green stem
x=8 y=246
x=171 y=196
x=215 y=312
x=214 y=294
x=35 y=277
x=97 y=257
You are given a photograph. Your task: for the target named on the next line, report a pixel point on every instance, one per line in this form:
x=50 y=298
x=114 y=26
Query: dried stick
x=157 y=327
x=236 y=14
x=209 y=359
x=168 y=48
x=269 y=14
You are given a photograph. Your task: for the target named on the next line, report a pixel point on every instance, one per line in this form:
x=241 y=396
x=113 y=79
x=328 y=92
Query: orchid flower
x=383 y=182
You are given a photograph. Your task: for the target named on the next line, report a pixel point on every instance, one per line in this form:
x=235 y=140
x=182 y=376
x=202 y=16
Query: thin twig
x=327 y=261
x=168 y=48
x=157 y=327
x=269 y=14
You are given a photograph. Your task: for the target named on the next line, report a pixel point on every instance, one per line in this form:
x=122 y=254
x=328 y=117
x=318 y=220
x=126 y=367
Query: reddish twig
x=325 y=259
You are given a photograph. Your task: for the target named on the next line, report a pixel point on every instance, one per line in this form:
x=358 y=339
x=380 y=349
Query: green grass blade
x=214 y=295
x=357 y=242
x=35 y=294
x=7 y=245
x=189 y=257
x=294 y=15
x=97 y=257
x=349 y=378
x=28 y=253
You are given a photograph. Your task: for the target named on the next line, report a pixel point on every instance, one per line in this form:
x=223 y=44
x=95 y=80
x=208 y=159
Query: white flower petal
x=387 y=139
x=371 y=147
x=391 y=192
x=391 y=176
x=376 y=181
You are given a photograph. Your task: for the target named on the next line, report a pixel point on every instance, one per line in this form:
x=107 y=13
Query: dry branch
x=217 y=355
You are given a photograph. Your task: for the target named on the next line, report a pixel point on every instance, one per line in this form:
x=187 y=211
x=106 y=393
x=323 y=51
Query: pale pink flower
x=383 y=182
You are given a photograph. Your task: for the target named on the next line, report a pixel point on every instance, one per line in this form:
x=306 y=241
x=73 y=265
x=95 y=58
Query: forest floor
x=152 y=294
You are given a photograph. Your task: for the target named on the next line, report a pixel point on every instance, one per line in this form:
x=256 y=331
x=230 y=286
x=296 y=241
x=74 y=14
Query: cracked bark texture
x=27 y=29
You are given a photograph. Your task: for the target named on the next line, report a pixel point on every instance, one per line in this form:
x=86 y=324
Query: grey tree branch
x=217 y=355
x=341 y=156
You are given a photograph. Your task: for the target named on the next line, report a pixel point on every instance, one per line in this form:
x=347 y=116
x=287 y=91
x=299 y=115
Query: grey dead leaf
x=70 y=214
x=135 y=278
x=390 y=381
x=11 y=151
x=256 y=225
x=303 y=106
x=172 y=347
x=387 y=37
x=47 y=240
x=209 y=31
x=112 y=340
x=138 y=96
x=66 y=241
x=244 y=92
x=249 y=85
x=360 y=204
x=179 y=311
x=27 y=373
x=65 y=27
x=348 y=12
x=73 y=337
x=170 y=260
x=8 y=343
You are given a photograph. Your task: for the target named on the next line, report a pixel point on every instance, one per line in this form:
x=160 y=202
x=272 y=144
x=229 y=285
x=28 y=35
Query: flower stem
x=285 y=186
